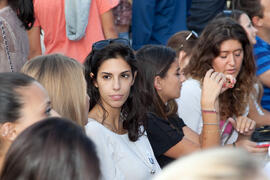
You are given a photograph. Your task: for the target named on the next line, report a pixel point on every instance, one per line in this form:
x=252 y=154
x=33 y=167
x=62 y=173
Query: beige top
x=17 y=41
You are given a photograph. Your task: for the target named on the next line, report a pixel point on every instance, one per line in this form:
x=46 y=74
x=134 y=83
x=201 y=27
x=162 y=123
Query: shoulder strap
x=6 y=46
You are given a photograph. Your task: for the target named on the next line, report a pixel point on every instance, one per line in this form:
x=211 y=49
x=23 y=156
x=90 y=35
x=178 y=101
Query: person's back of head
x=24 y=10
x=214 y=164
x=251 y=7
x=183 y=41
x=54 y=148
x=234 y=14
x=63 y=78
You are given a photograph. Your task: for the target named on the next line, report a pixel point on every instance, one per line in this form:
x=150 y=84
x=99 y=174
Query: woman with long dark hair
x=162 y=79
x=116 y=116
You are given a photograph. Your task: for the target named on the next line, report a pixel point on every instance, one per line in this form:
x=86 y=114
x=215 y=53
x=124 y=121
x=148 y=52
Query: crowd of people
x=123 y=90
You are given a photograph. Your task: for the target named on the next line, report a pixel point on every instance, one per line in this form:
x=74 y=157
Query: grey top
x=17 y=41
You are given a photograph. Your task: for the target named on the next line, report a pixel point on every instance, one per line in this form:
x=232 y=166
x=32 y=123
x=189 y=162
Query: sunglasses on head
x=103 y=43
x=192 y=33
x=227 y=13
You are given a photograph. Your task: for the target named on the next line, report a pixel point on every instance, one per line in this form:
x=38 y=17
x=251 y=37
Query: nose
x=182 y=77
x=231 y=60
x=116 y=84
x=255 y=29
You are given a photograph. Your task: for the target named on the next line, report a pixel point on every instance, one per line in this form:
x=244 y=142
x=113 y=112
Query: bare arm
x=183 y=147
x=264 y=78
x=34 y=42
x=108 y=26
x=261 y=120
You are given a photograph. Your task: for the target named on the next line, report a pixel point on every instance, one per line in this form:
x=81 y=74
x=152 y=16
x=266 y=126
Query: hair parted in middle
x=233 y=101
x=132 y=110
x=63 y=78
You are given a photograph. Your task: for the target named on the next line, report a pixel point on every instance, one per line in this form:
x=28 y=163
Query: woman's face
x=114 y=80
x=36 y=106
x=249 y=28
x=230 y=59
x=171 y=84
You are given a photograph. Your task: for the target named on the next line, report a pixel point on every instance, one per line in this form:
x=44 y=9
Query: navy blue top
x=262 y=56
x=154 y=21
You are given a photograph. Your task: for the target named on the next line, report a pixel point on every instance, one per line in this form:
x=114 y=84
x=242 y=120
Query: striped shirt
x=262 y=57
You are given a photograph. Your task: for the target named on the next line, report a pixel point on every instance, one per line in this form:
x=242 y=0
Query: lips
x=231 y=71
x=116 y=97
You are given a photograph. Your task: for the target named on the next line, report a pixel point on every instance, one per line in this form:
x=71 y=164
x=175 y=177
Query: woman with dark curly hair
x=116 y=116
x=225 y=47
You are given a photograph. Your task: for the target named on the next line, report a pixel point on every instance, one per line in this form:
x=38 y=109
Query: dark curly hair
x=233 y=101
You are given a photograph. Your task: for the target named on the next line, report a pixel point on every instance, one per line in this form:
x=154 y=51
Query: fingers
x=251 y=146
x=233 y=122
x=244 y=124
x=253 y=149
x=208 y=73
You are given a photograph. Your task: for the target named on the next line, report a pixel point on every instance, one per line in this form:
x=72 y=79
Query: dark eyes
x=48 y=111
x=236 y=53
x=125 y=75
x=106 y=77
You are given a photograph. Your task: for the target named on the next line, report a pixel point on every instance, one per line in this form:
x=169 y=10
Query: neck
x=3 y=154
x=264 y=35
x=112 y=117
x=3 y=4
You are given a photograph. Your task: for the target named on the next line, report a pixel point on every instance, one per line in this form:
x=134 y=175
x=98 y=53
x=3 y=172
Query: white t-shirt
x=189 y=108
x=121 y=158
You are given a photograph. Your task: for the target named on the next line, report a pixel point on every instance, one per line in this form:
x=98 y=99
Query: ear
x=8 y=131
x=181 y=56
x=95 y=83
x=257 y=21
x=134 y=77
x=157 y=83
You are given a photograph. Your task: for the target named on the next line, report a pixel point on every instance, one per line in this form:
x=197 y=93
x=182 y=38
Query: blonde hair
x=63 y=78
x=214 y=164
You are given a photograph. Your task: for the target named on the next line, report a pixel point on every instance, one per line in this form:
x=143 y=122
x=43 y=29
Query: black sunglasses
x=103 y=43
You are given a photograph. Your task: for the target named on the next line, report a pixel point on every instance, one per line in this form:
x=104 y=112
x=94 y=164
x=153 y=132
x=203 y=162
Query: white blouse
x=119 y=157
x=189 y=109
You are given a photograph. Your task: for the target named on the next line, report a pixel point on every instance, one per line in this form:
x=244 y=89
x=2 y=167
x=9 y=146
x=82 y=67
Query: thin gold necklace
x=113 y=129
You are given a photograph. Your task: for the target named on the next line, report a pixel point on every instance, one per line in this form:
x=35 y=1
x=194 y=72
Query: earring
x=91 y=75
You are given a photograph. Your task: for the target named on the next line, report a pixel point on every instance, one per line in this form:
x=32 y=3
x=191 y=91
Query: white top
x=189 y=108
x=121 y=158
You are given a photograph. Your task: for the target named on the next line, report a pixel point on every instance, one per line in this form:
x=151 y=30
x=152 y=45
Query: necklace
x=120 y=129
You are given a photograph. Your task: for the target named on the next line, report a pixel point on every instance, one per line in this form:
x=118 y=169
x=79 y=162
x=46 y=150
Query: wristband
x=209 y=111
x=211 y=124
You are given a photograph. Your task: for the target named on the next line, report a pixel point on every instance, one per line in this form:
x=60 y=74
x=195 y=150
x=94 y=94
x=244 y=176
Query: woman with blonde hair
x=63 y=78
x=214 y=164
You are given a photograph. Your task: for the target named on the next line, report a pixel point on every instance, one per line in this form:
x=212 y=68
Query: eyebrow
x=240 y=49
x=108 y=73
